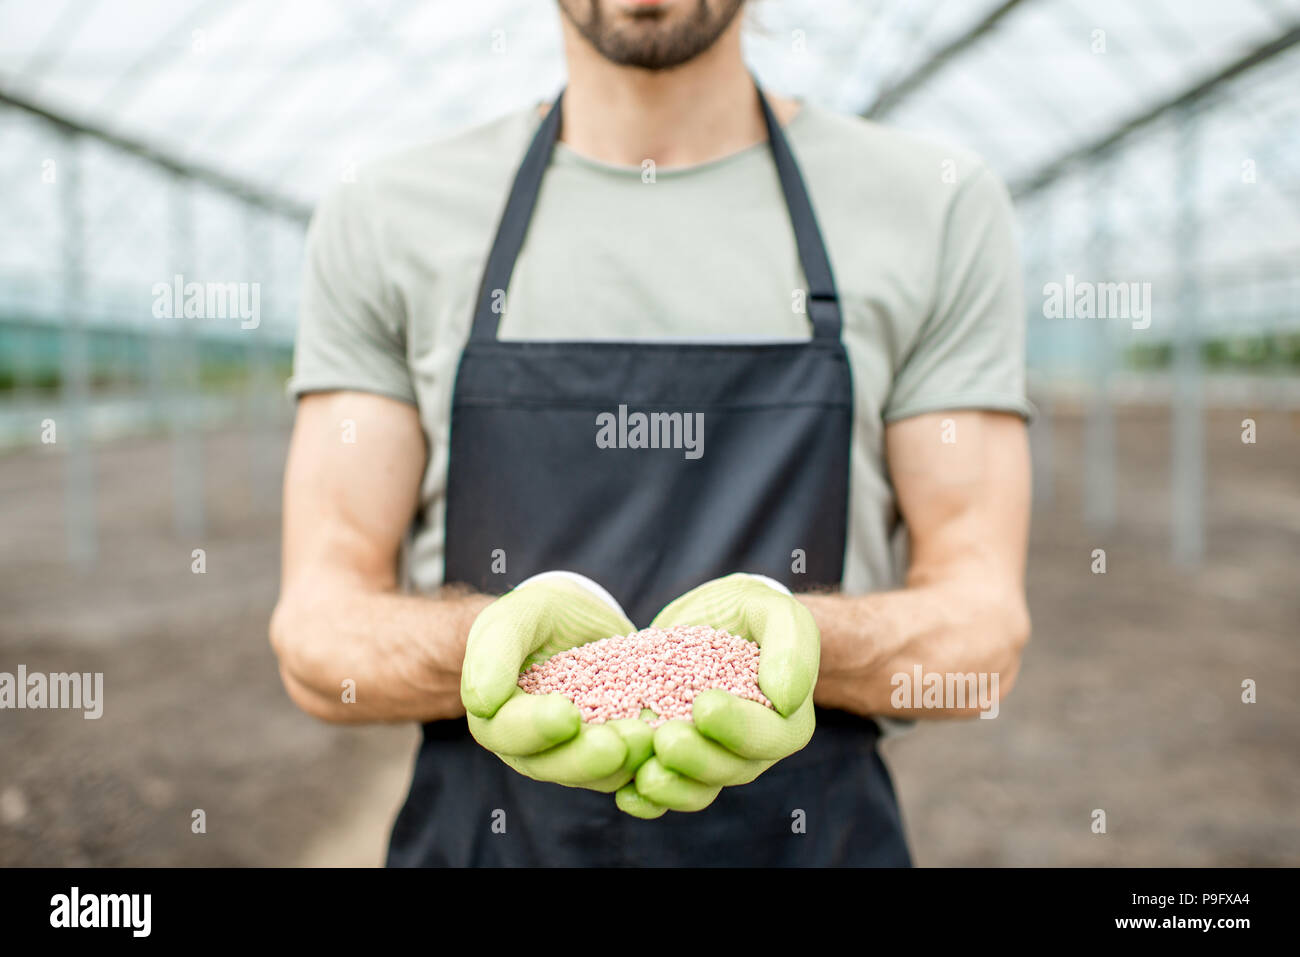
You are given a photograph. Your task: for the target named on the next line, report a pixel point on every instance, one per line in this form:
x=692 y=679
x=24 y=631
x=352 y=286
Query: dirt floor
x=1129 y=701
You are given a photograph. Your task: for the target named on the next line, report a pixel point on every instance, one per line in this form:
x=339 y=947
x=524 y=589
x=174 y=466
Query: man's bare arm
x=340 y=617
x=966 y=504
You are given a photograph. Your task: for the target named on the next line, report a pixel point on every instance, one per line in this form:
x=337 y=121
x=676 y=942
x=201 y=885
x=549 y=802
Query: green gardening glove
x=543 y=736
x=732 y=740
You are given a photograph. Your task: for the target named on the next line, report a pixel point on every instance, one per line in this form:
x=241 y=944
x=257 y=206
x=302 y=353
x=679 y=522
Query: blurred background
x=1153 y=151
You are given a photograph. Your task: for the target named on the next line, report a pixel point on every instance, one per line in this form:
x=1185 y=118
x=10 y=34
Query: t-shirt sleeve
x=351 y=334
x=970 y=350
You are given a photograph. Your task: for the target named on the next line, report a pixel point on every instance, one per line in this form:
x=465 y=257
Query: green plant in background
x=1265 y=352
x=1150 y=355
x=123 y=360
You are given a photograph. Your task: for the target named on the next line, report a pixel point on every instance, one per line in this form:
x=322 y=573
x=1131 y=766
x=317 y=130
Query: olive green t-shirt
x=920 y=238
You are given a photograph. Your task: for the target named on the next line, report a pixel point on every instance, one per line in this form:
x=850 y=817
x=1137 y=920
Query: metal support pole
x=26 y=363
x=260 y=384
x=157 y=362
x=1099 y=426
x=184 y=401
x=74 y=431
x=1041 y=445
x=1188 y=459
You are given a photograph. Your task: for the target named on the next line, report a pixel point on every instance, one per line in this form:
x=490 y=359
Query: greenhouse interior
x=1152 y=153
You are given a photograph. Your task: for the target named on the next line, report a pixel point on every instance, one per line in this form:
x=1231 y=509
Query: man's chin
x=651 y=34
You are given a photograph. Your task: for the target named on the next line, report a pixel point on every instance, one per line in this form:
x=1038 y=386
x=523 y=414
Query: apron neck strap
x=822 y=303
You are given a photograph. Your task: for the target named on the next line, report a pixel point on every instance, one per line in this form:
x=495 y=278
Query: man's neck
x=699 y=111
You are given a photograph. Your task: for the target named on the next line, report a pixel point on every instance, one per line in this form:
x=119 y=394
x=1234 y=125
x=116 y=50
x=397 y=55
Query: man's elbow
x=286 y=633
x=1013 y=631
x=283 y=631
x=314 y=704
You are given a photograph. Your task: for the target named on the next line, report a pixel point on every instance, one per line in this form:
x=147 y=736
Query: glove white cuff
x=580 y=580
x=771 y=581
x=598 y=591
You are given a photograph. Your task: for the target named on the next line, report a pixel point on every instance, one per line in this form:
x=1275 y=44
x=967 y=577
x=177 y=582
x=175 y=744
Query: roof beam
x=1188 y=97
x=209 y=176
x=891 y=96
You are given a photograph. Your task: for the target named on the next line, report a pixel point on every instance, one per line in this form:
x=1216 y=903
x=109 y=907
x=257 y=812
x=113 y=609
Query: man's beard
x=649 y=39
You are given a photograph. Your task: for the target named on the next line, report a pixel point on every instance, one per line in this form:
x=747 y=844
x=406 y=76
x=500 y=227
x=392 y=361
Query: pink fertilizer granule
x=662 y=669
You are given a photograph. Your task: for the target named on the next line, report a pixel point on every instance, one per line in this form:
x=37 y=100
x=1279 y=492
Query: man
x=837 y=305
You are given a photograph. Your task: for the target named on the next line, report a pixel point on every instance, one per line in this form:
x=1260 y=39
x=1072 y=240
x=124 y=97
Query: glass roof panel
x=286 y=96
x=283 y=94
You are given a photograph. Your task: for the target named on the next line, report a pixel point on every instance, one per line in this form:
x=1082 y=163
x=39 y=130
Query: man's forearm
x=351 y=655
x=945 y=628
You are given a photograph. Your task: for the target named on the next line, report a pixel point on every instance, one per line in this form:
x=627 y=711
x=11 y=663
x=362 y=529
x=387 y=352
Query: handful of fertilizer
x=660 y=669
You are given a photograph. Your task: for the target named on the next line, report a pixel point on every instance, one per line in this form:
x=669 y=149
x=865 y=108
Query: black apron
x=526 y=475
